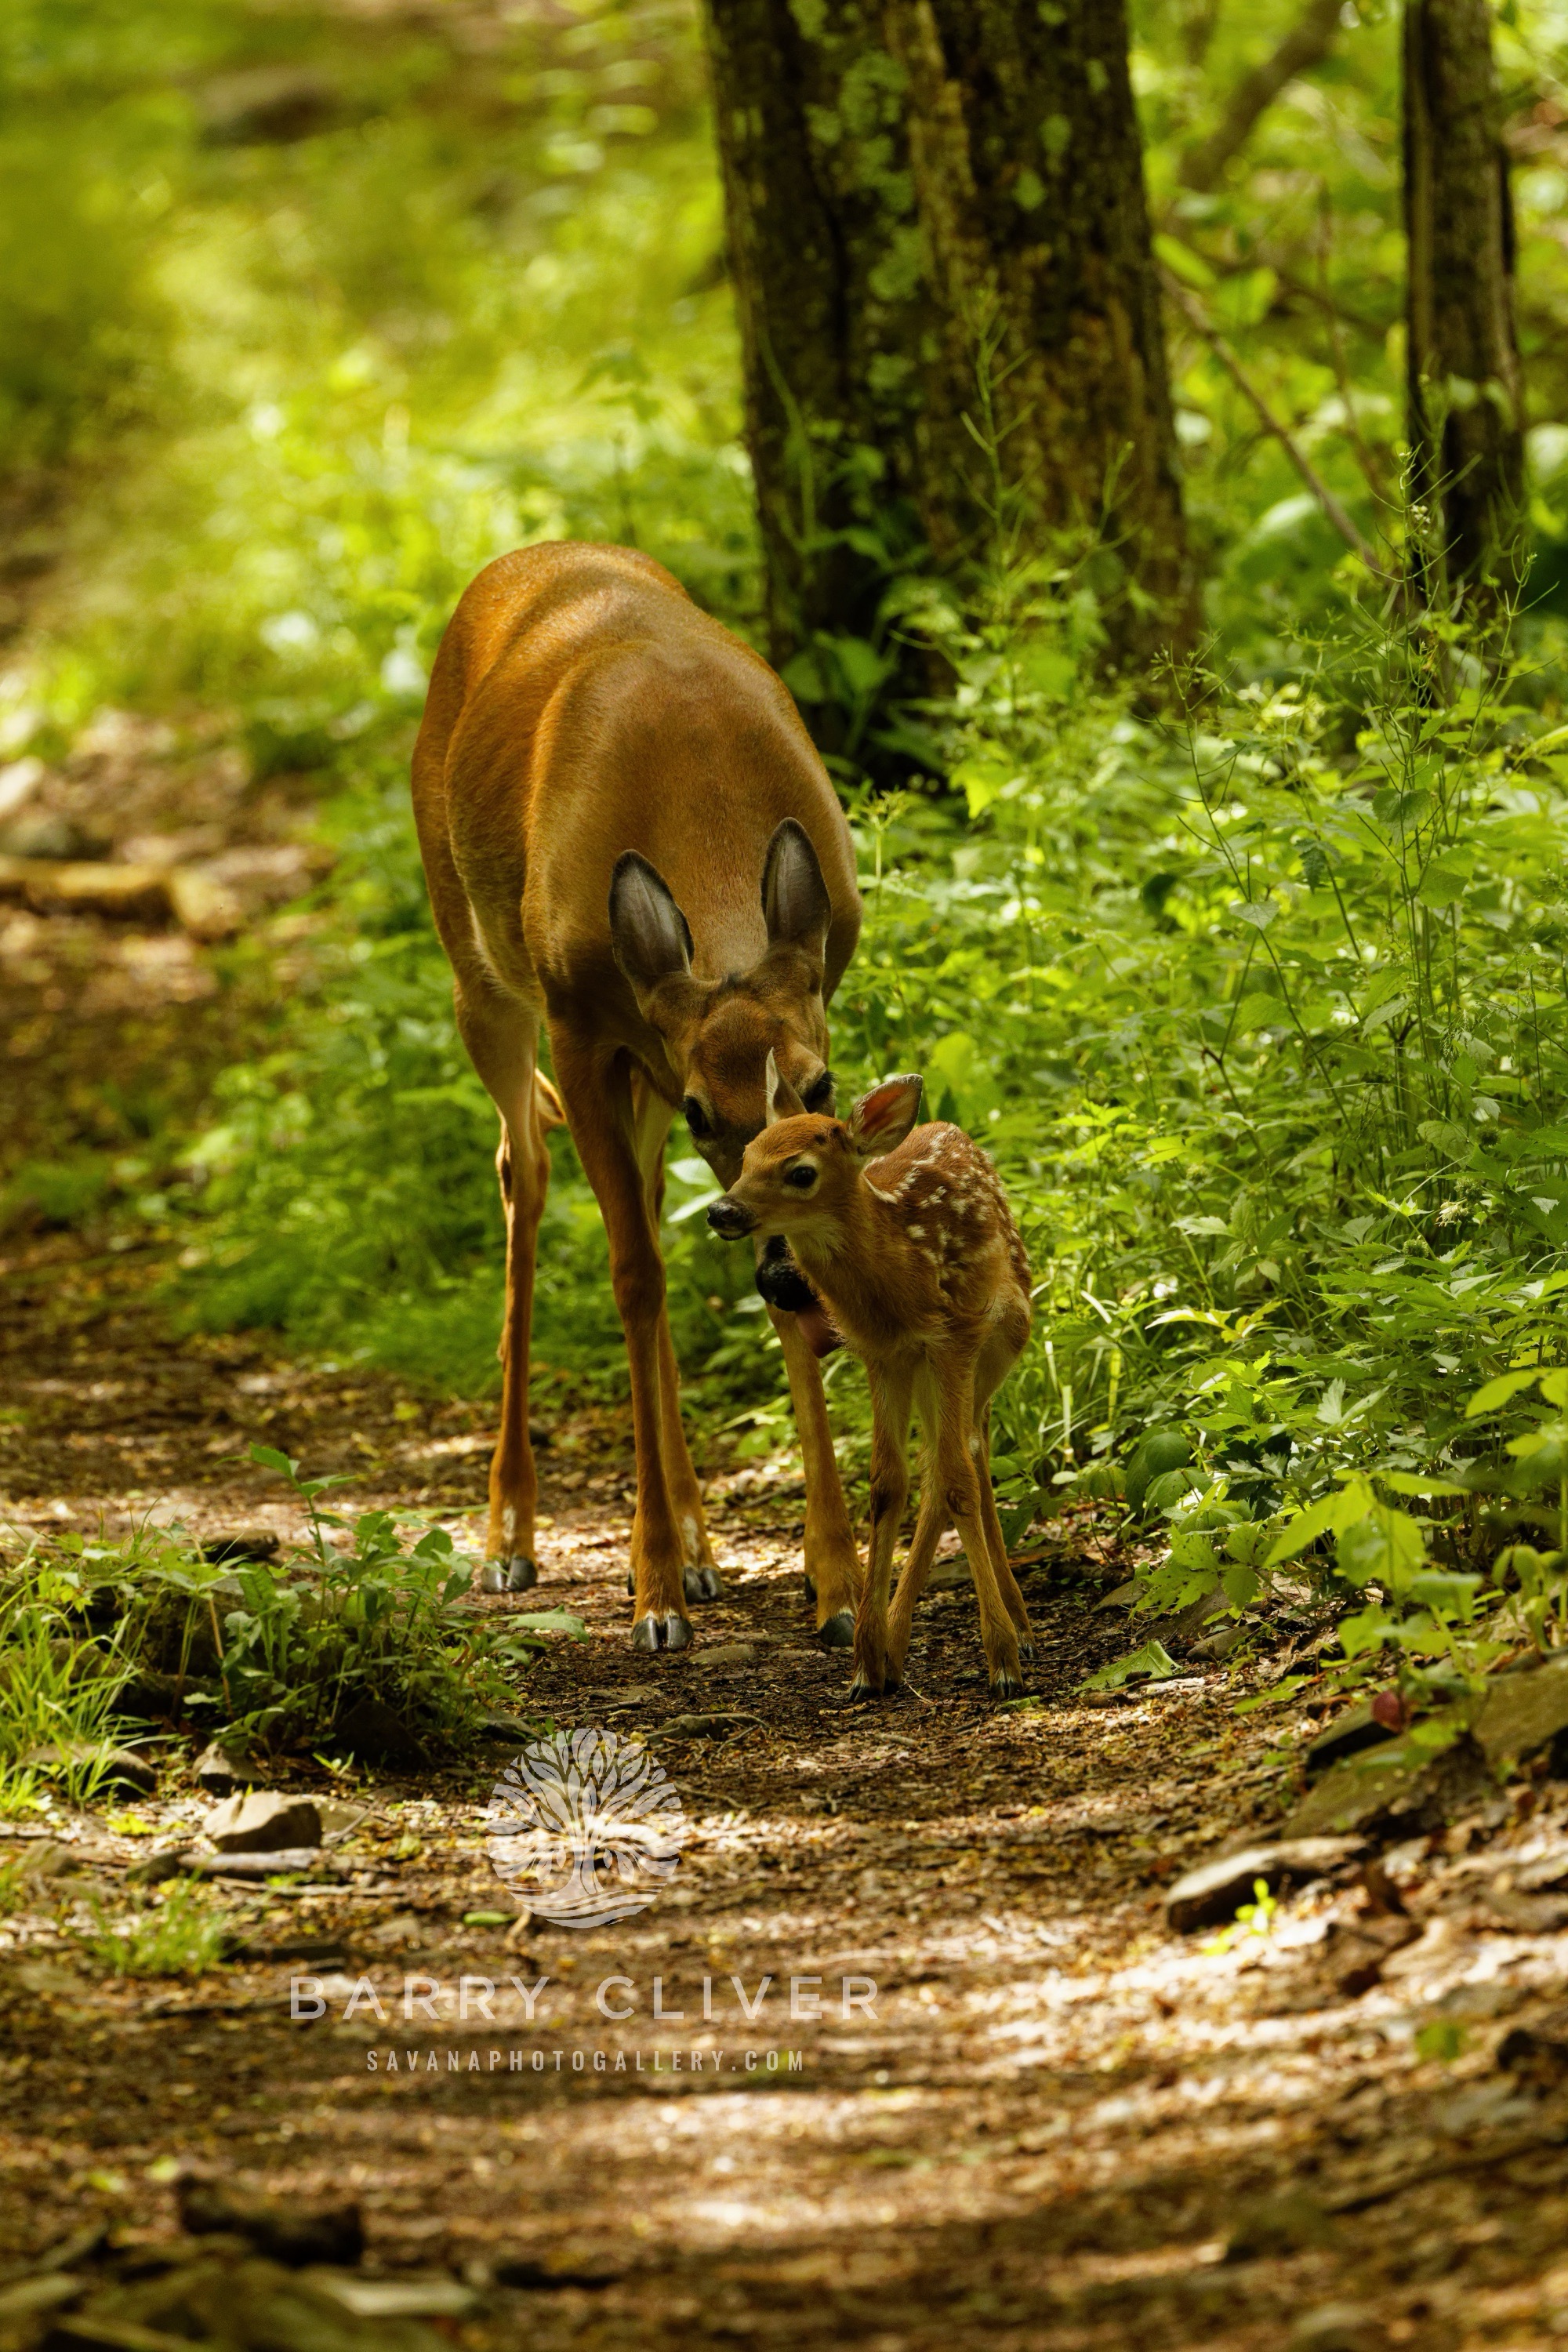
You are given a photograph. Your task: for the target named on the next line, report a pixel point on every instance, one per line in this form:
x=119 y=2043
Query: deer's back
x=581 y=705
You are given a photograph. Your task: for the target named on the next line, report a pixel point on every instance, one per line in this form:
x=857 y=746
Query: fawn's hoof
x=1005 y=1683
x=517 y=1574
x=631 y=1581
x=671 y=1632
x=703 y=1584
x=810 y=1583
x=1025 y=1645
x=838 y=1632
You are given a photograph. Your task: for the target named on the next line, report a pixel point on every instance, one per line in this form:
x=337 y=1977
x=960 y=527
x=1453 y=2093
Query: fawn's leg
x=957 y=1443
x=890 y=1394
x=501 y=1035
x=832 y=1562
x=930 y=1526
x=700 y=1579
x=1007 y=1583
x=596 y=1087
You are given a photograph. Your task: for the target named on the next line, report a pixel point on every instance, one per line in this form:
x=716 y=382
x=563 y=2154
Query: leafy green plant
x=1254 y=1921
x=181 y=1932
x=57 y=1692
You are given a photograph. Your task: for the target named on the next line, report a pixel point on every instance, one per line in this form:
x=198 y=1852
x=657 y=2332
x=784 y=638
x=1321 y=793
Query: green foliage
x=56 y=1691
x=285 y=1652
x=179 y=1933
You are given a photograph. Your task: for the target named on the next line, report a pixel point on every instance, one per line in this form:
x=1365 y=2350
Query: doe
x=908 y=1241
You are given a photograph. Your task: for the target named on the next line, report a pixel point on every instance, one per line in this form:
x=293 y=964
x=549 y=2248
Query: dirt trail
x=1054 y=2124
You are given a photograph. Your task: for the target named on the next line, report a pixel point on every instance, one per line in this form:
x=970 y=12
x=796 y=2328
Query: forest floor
x=1054 y=2123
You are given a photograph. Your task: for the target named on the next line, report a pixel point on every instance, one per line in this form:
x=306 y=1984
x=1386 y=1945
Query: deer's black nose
x=729 y=1218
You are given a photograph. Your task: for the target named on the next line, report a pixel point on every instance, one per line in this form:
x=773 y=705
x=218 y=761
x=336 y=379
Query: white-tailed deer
x=908 y=1240
x=630 y=838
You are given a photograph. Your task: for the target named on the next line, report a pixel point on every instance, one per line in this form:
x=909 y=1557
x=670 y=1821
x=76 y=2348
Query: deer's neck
x=854 y=1267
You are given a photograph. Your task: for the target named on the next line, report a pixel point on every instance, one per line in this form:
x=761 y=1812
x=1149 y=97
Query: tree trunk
x=948 y=313
x=1466 y=424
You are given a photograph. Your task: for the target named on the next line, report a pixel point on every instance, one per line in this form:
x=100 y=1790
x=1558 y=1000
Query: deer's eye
x=819 y=1095
x=696 y=1117
x=802 y=1178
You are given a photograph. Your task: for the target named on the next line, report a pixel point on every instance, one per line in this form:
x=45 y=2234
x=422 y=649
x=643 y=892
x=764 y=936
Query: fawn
x=908 y=1243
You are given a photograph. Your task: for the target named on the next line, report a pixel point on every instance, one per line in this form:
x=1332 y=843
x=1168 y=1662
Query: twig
x=1306 y=45
x=1271 y=424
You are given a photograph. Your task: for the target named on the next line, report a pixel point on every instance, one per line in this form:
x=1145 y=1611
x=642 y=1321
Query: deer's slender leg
x=503 y=1038
x=958 y=1443
x=701 y=1577
x=892 y=1388
x=832 y=1562
x=930 y=1526
x=596 y=1087
x=1007 y=1583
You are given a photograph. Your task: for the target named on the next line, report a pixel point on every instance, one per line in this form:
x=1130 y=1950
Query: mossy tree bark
x=1466 y=426
x=948 y=306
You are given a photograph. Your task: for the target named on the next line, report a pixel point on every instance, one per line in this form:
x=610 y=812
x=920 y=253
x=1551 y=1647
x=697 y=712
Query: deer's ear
x=649 y=935
x=881 y=1121
x=795 y=905
x=781 y=1098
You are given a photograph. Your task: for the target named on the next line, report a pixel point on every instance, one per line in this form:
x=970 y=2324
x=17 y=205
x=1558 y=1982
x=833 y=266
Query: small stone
x=1522 y=1713
x=1220 y=1644
x=263 y=1821
x=338 y=1818
x=1215 y=1890
x=728 y=1653
x=244 y=1543
x=220 y=1770
x=503 y=1726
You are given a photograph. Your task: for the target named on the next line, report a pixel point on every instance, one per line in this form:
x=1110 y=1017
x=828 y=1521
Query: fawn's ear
x=782 y=1099
x=881 y=1121
x=649 y=935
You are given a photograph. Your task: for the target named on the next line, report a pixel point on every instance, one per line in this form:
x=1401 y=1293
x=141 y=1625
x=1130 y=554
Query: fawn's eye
x=696 y=1117
x=801 y=1178
x=819 y=1095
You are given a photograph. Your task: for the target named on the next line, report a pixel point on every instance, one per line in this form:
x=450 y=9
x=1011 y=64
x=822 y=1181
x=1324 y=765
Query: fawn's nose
x=730 y=1218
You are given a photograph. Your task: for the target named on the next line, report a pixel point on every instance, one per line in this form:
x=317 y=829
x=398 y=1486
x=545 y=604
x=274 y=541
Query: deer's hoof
x=703 y=1584
x=1005 y=1685
x=517 y=1574
x=671 y=1632
x=631 y=1581
x=1025 y=1645
x=810 y=1584
x=838 y=1633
